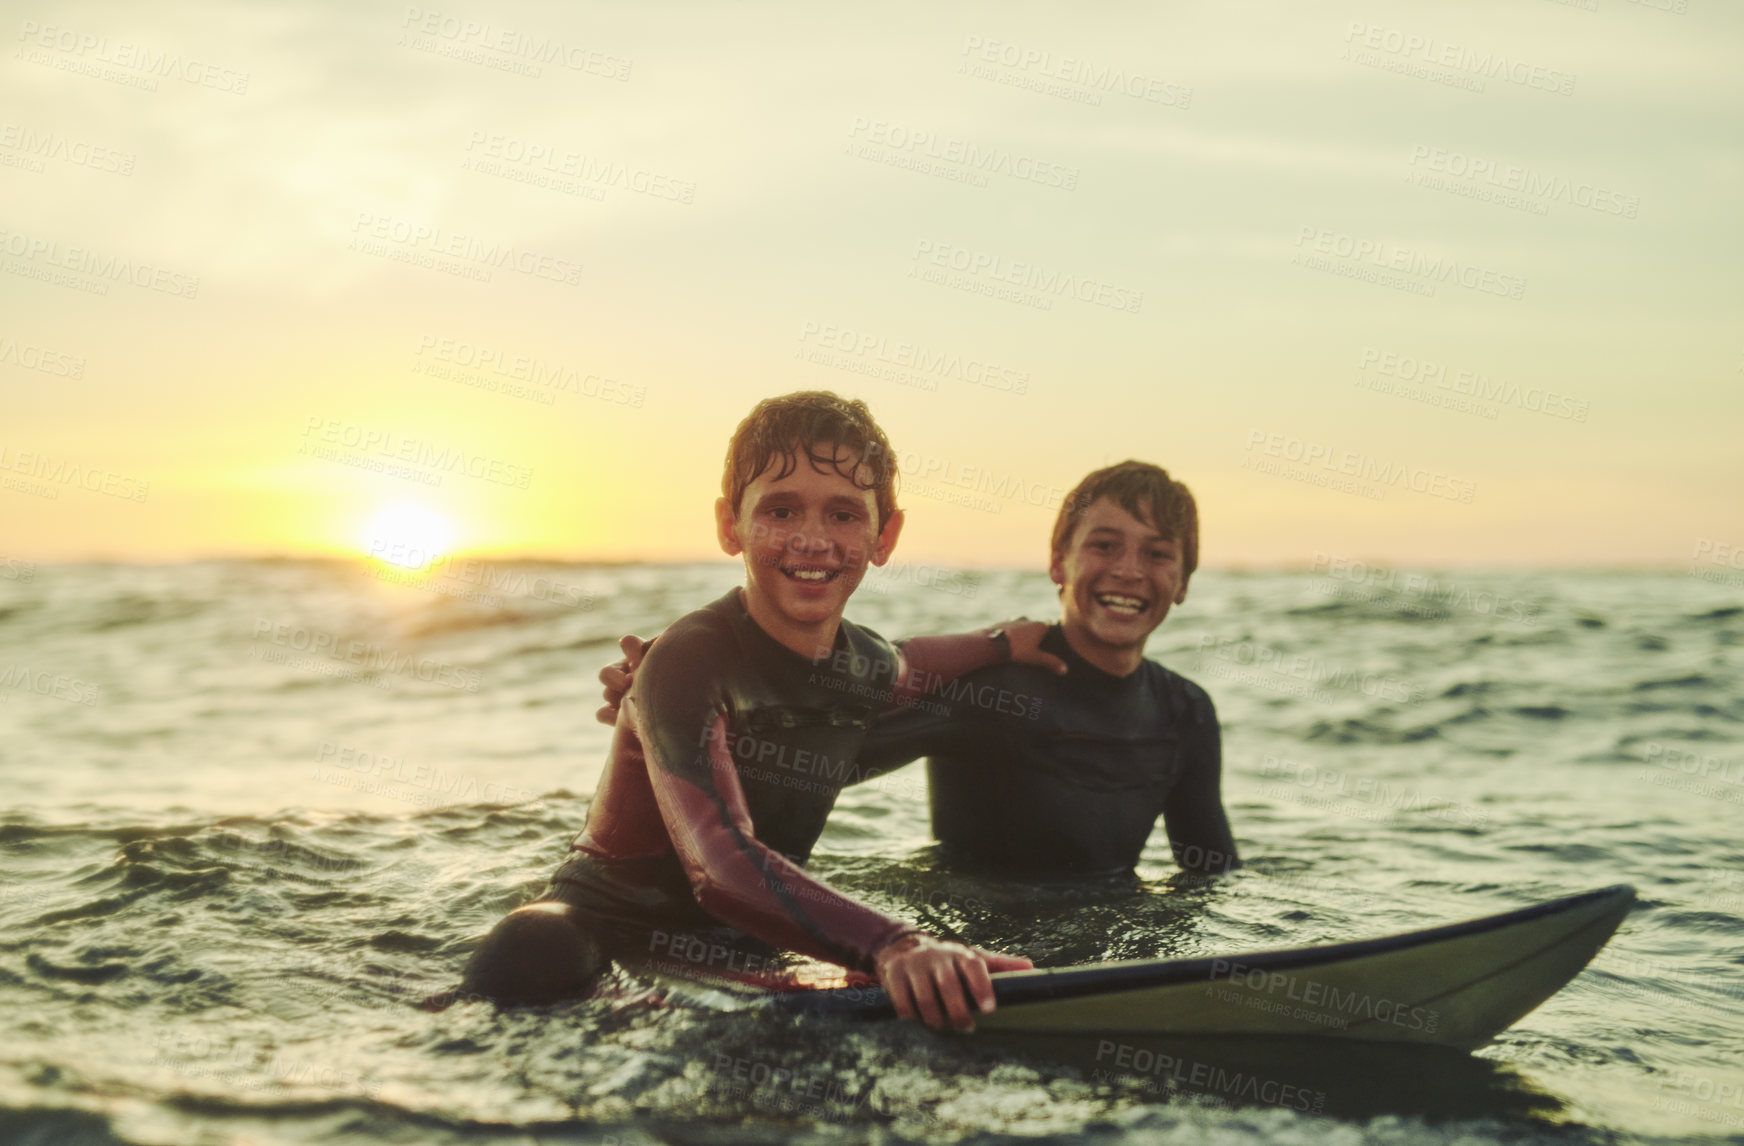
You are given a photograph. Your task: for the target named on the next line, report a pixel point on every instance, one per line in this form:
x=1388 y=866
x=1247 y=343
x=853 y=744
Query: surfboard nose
x=1534 y=957
x=1607 y=905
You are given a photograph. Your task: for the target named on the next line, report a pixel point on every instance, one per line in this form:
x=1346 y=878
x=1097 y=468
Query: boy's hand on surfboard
x=942 y=984
x=1026 y=640
x=618 y=677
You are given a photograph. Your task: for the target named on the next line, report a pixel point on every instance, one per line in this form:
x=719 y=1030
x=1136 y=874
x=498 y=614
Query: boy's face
x=807 y=538
x=1119 y=577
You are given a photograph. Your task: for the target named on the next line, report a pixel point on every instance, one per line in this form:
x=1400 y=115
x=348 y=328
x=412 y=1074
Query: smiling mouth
x=1122 y=604
x=810 y=574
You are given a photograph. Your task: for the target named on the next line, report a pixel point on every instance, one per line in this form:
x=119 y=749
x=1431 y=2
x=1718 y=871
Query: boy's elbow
x=704 y=883
x=708 y=894
x=712 y=891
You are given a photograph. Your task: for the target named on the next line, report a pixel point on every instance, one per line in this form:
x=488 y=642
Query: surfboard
x=1457 y=985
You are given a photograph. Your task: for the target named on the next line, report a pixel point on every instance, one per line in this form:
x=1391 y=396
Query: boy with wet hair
x=1121 y=740
x=745 y=720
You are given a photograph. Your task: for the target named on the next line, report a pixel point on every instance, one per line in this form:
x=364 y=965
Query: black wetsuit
x=1034 y=775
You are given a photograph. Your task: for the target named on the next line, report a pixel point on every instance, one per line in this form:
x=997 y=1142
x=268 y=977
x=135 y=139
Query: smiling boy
x=1121 y=739
x=745 y=720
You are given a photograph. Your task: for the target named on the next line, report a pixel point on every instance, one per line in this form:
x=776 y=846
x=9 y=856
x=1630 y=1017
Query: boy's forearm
x=744 y=883
x=1199 y=833
x=929 y=662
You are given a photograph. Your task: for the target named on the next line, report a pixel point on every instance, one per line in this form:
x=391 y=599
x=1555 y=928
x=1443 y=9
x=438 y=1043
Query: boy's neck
x=1115 y=660
x=809 y=641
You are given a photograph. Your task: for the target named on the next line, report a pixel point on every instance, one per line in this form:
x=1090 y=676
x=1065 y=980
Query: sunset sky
x=1435 y=284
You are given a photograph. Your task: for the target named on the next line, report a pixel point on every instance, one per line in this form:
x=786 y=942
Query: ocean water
x=255 y=810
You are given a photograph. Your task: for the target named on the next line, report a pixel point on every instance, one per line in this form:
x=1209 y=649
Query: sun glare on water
x=408 y=535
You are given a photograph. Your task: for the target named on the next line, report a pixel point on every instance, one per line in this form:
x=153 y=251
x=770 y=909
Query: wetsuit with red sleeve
x=729 y=753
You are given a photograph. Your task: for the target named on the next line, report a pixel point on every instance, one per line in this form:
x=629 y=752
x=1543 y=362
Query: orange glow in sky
x=1445 y=319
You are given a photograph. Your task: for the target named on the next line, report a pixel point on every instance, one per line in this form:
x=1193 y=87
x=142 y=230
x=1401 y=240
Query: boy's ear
x=726 y=528
x=1057 y=570
x=887 y=538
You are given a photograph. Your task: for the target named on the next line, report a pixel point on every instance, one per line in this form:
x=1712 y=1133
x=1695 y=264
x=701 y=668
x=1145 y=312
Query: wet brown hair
x=821 y=425
x=1143 y=490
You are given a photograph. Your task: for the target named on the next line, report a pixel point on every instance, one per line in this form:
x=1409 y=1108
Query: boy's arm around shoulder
x=927 y=662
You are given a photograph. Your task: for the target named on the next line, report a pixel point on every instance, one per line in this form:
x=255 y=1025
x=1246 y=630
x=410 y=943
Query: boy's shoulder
x=861 y=639
x=1190 y=699
x=702 y=637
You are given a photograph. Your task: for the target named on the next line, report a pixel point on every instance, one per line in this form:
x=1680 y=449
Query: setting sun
x=409 y=535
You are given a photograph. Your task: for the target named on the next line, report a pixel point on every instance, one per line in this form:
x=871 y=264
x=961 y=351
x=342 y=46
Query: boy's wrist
x=1001 y=641
x=906 y=938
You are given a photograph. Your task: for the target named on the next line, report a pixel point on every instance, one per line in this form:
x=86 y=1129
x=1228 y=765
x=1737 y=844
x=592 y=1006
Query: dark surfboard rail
x=1453 y=985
